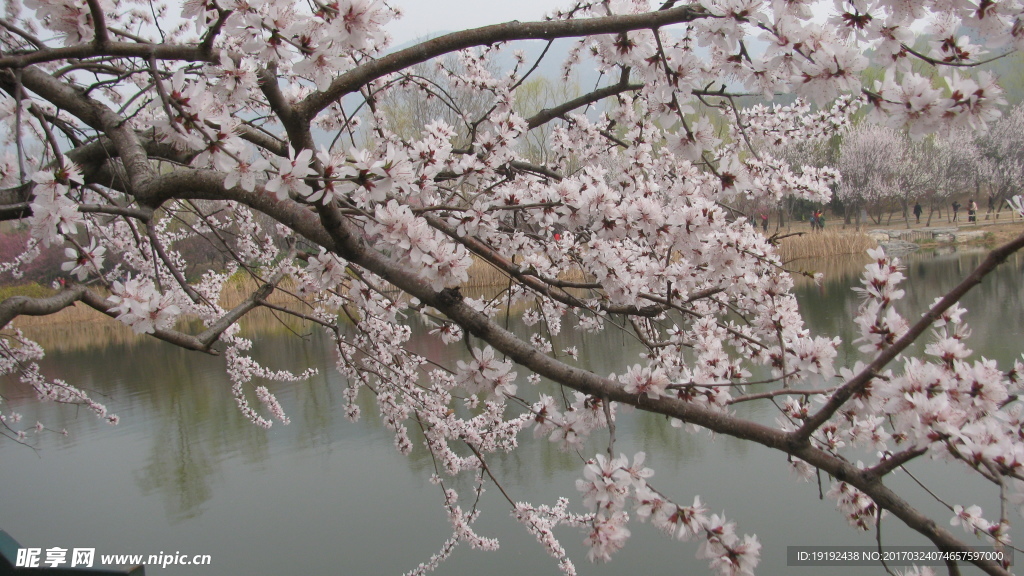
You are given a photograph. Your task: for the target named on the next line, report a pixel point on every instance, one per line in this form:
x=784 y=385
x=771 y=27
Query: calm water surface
x=184 y=472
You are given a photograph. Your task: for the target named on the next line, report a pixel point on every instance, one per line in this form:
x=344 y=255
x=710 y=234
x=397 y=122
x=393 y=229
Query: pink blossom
x=291 y=175
x=643 y=380
x=605 y=482
x=139 y=305
x=969 y=518
x=90 y=259
x=607 y=536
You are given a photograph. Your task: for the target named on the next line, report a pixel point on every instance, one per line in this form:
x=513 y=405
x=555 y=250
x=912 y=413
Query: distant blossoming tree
x=871 y=158
x=1002 y=152
x=884 y=168
x=953 y=166
x=255 y=126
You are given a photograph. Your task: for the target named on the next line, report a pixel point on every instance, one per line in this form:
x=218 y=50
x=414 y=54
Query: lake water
x=185 y=473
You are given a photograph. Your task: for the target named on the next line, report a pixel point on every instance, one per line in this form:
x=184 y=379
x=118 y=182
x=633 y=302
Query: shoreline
x=796 y=243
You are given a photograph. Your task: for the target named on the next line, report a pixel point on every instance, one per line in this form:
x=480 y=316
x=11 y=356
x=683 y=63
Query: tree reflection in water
x=190 y=442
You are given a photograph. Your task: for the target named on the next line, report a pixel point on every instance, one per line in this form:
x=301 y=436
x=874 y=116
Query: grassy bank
x=77 y=313
x=237 y=289
x=995 y=233
x=482 y=275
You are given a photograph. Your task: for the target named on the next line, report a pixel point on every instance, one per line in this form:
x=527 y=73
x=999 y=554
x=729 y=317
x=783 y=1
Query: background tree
x=885 y=170
x=806 y=144
x=951 y=166
x=537 y=94
x=870 y=160
x=121 y=121
x=1002 y=154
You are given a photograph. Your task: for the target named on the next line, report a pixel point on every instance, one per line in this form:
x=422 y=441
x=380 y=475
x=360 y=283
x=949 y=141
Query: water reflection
x=995 y=307
x=185 y=469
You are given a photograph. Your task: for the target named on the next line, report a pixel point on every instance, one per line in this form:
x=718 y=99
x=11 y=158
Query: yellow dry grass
x=824 y=244
x=484 y=275
x=80 y=327
x=237 y=289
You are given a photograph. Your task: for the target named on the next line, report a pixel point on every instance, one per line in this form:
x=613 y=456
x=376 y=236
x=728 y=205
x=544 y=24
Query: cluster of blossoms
x=139 y=304
x=860 y=511
x=569 y=428
x=608 y=484
x=325 y=272
x=441 y=263
x=485 y=373
x=878 y=321
x=462 y=528
x=53 y=211
x=243 y=369
x=779 y=125
x=21 y=356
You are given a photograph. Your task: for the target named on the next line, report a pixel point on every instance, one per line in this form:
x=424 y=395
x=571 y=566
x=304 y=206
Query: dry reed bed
x=482 y=274
x=236 y=290
x=837 y=268
x=80 y=327
x=824 y=244
x=93 y=327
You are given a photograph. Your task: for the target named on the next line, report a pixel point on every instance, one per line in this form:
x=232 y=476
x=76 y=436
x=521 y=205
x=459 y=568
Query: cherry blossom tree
x=800 y=146
x=257 y=126
x=952 y=165
x=884 y=168
x=870 y=160
x=1002 y=151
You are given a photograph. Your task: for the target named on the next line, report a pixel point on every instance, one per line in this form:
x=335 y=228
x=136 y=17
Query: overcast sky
x=424 y=17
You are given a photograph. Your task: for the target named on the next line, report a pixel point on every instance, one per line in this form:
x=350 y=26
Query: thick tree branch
x=211 y=334
x=450 y=302
x=96 y=115
x=16 y=306
x=99 y=24
x=548 y=114
x=178 y=52
x=355 y=79
x=194 y=184
x=137 y=213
